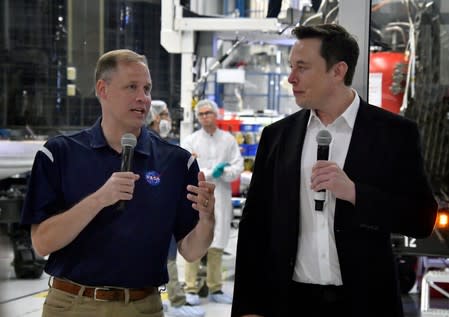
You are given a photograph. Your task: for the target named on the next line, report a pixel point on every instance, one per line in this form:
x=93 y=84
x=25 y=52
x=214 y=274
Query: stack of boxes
x=247 y=136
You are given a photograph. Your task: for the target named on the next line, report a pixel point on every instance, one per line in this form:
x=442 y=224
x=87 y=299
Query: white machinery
x=17 y=157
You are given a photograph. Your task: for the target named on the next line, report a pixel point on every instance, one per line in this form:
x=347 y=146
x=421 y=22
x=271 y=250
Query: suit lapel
x=290 y=152
x=361 y=142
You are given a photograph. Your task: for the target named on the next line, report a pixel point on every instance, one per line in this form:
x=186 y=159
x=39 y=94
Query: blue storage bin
x=250 y=127
x=249 y=149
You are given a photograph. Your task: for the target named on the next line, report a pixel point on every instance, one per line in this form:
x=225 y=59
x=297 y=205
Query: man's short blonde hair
x=107 y=63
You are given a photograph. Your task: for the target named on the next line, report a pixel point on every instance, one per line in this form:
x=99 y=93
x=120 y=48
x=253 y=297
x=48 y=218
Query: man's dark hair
x=336 y=45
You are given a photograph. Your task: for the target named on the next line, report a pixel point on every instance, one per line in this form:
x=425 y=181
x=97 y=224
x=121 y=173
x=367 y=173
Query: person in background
x=104 y=260
x=159 y=121
x=293 y=258
x=219 y=158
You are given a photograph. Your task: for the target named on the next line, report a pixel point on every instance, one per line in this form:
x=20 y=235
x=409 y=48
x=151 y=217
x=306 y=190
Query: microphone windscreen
x=323 y=138
x=128 y=140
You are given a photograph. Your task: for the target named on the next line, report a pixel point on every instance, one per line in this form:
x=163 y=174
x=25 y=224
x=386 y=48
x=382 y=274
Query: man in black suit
x=292 y=258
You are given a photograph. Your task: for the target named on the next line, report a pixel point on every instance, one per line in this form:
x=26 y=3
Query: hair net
x=206 y=102
x=157 y=106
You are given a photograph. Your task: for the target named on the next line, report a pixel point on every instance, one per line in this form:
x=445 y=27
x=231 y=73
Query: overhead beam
x=226 y=24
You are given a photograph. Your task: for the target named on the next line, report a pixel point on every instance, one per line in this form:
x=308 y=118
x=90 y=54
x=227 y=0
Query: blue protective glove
x=219 y=169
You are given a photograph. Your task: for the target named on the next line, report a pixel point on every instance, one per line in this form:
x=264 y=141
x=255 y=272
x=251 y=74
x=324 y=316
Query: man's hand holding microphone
x=327 y=175
x=120 y=186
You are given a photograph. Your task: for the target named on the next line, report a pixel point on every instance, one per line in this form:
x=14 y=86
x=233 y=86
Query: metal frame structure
x=429 y=280
x=178 y=35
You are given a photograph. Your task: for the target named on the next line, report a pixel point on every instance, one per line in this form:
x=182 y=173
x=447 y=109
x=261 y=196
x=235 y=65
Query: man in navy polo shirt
x=105 y=261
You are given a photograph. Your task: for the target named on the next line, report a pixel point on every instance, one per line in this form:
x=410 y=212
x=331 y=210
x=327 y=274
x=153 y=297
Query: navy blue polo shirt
x=117 y=248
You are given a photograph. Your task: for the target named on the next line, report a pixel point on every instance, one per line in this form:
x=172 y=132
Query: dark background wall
x=40 y=39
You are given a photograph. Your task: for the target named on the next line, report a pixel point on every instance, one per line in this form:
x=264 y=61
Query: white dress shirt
x=317 y=259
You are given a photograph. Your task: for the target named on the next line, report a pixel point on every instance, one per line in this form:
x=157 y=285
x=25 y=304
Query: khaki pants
x=214 y=276
x=62 y=304
x=175 y=290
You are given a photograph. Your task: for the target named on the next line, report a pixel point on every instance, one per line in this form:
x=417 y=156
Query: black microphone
x=128 y=142
x=323 y=138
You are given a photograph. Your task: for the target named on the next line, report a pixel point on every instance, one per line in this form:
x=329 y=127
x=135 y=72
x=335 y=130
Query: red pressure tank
x=393 y=67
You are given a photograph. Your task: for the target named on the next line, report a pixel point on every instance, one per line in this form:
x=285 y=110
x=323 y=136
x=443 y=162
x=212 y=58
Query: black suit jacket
x=392 y=195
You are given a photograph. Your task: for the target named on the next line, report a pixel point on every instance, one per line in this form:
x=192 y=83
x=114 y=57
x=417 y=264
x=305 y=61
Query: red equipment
x=393 y=66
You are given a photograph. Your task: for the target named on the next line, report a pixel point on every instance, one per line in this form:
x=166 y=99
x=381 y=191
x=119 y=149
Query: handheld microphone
x=128 y=142
x=323 y=138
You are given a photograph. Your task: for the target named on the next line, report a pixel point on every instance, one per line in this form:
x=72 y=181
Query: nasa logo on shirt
x=153 y=178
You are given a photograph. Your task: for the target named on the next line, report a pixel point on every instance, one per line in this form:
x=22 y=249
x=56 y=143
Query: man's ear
x=100 y=89
x=340 y=69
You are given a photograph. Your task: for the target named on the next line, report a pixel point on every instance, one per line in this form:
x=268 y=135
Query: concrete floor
x=24 y=297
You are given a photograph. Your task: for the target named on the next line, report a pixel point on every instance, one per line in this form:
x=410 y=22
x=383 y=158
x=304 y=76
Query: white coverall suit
x=211 y=150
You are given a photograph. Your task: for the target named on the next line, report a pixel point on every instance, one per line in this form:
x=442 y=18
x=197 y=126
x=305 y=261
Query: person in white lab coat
x=219 y=157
